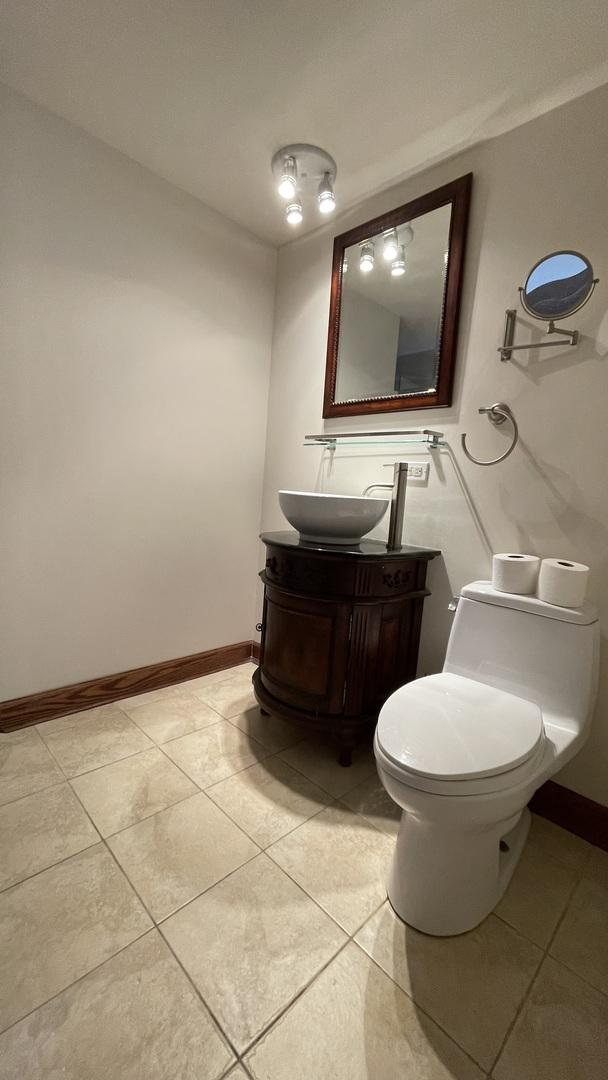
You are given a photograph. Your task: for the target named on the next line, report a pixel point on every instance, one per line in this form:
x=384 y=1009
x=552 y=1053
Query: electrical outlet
x=418 y=470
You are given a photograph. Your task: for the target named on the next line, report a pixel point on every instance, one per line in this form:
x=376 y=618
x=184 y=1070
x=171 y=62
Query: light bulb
x=398 y=267
x=326 y=197
x=287 y=183
x=294 y=213
x=391 y=245
x=366 y=259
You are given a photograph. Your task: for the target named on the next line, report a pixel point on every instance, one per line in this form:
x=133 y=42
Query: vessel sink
x=331 y=519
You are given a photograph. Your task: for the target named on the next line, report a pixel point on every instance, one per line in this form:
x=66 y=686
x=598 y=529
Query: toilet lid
x=452 y=728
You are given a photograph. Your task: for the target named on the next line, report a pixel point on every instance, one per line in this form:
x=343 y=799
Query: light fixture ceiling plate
x=312 y=162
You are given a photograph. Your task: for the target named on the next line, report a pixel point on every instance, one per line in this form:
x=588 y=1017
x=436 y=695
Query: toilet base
x=445 y=882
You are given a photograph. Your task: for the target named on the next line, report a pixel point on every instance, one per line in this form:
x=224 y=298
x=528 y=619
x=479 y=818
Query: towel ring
x=496 y=414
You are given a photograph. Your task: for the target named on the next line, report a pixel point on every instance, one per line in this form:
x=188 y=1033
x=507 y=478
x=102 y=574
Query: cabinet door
x=305 y=650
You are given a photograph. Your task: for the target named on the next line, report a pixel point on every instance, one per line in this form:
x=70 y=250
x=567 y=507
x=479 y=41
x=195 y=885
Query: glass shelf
x=421 y=437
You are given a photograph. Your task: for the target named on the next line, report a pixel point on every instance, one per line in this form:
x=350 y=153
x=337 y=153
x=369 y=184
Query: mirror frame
x=458 y=193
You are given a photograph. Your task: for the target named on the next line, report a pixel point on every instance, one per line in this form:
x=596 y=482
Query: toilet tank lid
x=485 y=592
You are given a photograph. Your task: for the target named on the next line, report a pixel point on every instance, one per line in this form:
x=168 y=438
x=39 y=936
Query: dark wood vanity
x=340 y=631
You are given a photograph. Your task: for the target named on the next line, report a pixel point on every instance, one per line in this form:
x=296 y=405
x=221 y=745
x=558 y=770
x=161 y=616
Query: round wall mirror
x=558 y=285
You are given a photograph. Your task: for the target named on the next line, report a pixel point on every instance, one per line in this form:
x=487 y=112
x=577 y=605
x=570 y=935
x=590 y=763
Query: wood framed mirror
x=395 y=298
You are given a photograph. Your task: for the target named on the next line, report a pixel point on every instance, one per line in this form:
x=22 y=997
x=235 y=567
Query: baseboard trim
x=34 y=708
x=572 y=811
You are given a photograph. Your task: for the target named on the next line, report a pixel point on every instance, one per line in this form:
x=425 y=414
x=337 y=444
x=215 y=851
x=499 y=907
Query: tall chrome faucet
x=398 y=489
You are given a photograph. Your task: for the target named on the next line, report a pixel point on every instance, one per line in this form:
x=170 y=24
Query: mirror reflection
x=558 y=285
x=391 y=312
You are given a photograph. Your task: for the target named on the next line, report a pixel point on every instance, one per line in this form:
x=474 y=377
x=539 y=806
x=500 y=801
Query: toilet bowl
x=462 y=752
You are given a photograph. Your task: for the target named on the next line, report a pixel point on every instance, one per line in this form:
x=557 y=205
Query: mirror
x=394 y=307
x=558 y=285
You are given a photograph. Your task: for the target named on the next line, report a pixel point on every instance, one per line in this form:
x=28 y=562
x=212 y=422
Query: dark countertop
x=370 y=549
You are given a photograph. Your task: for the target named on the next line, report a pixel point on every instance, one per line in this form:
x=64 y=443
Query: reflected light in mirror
x=391 y=245
x=366 y=260
x=398 y=267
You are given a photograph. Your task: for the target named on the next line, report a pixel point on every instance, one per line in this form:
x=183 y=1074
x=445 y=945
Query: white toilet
x=463 y=752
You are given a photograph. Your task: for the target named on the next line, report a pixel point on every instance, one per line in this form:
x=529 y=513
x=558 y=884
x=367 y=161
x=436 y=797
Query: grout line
x=416 y=1004
x=75 y=982
x=51 y=866
x=545 y=954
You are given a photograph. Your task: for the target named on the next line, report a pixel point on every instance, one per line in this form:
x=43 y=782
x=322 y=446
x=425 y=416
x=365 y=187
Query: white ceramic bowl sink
x=331 y=519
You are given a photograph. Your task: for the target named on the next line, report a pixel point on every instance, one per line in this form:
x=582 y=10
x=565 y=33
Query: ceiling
x=203 y=92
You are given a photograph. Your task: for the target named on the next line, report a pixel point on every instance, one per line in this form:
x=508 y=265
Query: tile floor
x=190 y=891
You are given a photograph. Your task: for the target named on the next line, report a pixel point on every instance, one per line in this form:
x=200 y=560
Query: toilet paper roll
x=563 y=582
x=515 y=573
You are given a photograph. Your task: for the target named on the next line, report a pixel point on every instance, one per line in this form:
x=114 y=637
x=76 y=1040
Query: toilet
x=462 y=752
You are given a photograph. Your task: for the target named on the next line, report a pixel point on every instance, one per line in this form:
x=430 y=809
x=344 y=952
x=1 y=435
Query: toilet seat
x=452 y=731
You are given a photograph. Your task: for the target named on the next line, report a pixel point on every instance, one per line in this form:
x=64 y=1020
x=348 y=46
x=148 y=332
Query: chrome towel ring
x=496 y=414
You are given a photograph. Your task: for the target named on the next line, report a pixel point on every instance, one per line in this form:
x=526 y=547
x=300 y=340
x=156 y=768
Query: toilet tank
x=527 y=647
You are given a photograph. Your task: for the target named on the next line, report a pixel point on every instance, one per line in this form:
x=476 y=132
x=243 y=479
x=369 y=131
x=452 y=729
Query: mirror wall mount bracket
x=507 y=348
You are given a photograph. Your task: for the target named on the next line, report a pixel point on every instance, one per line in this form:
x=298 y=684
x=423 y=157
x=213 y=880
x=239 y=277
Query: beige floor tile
x=251 y=944
x=341 y=861
x=537 y=896
x=214 y=753
x=40 y=830
x=472 y=985
x=202 y=682
x=238 y=1073
x=25 y=765
x=561 y=1033
x=581 y=941
x=371 y=801
x=268 y=799
x=272 y=731
x=318 y=761
x=172 y=857
x=57 y=926
x=597 y=867
x=230 y=697
x=132 y=789
x=560 y=844
x=172 y=716
x=134 y=1018
x=87 y=740
x=354 y=1023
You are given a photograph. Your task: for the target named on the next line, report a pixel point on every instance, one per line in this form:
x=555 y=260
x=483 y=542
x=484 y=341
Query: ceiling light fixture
x=301 y=172
x=345 y=265
x=325 y=196
x=366 y=258
x=398 y=267
x=407 y=234
x=391 y=245
x=288 y=178
x=294 y=212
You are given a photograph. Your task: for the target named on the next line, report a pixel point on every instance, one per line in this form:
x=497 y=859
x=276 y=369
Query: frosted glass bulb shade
x=391 y=246
x=287 y=183
x=287 y=187
x=366 y=263
x=327 y=201
x=294 y=213
x=398 y=267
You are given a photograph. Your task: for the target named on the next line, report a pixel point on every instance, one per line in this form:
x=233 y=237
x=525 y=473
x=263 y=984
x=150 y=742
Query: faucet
x=398 y=489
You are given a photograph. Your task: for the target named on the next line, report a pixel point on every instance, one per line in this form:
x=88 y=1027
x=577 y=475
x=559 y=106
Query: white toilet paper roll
x=562 y=582
x=515 y=573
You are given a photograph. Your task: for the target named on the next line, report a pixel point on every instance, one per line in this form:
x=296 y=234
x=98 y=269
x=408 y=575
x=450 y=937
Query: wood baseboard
x=572 y=811
x=256 y=650
x=34 y=708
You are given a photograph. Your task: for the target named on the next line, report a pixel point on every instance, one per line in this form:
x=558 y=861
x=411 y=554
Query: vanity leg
x=345 y=756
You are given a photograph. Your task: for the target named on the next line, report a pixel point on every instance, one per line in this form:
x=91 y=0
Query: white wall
x=367 y=350
x=538 y=188
x=135 y=350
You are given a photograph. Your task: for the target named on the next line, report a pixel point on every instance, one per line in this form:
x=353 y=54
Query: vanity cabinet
x=340 y=631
